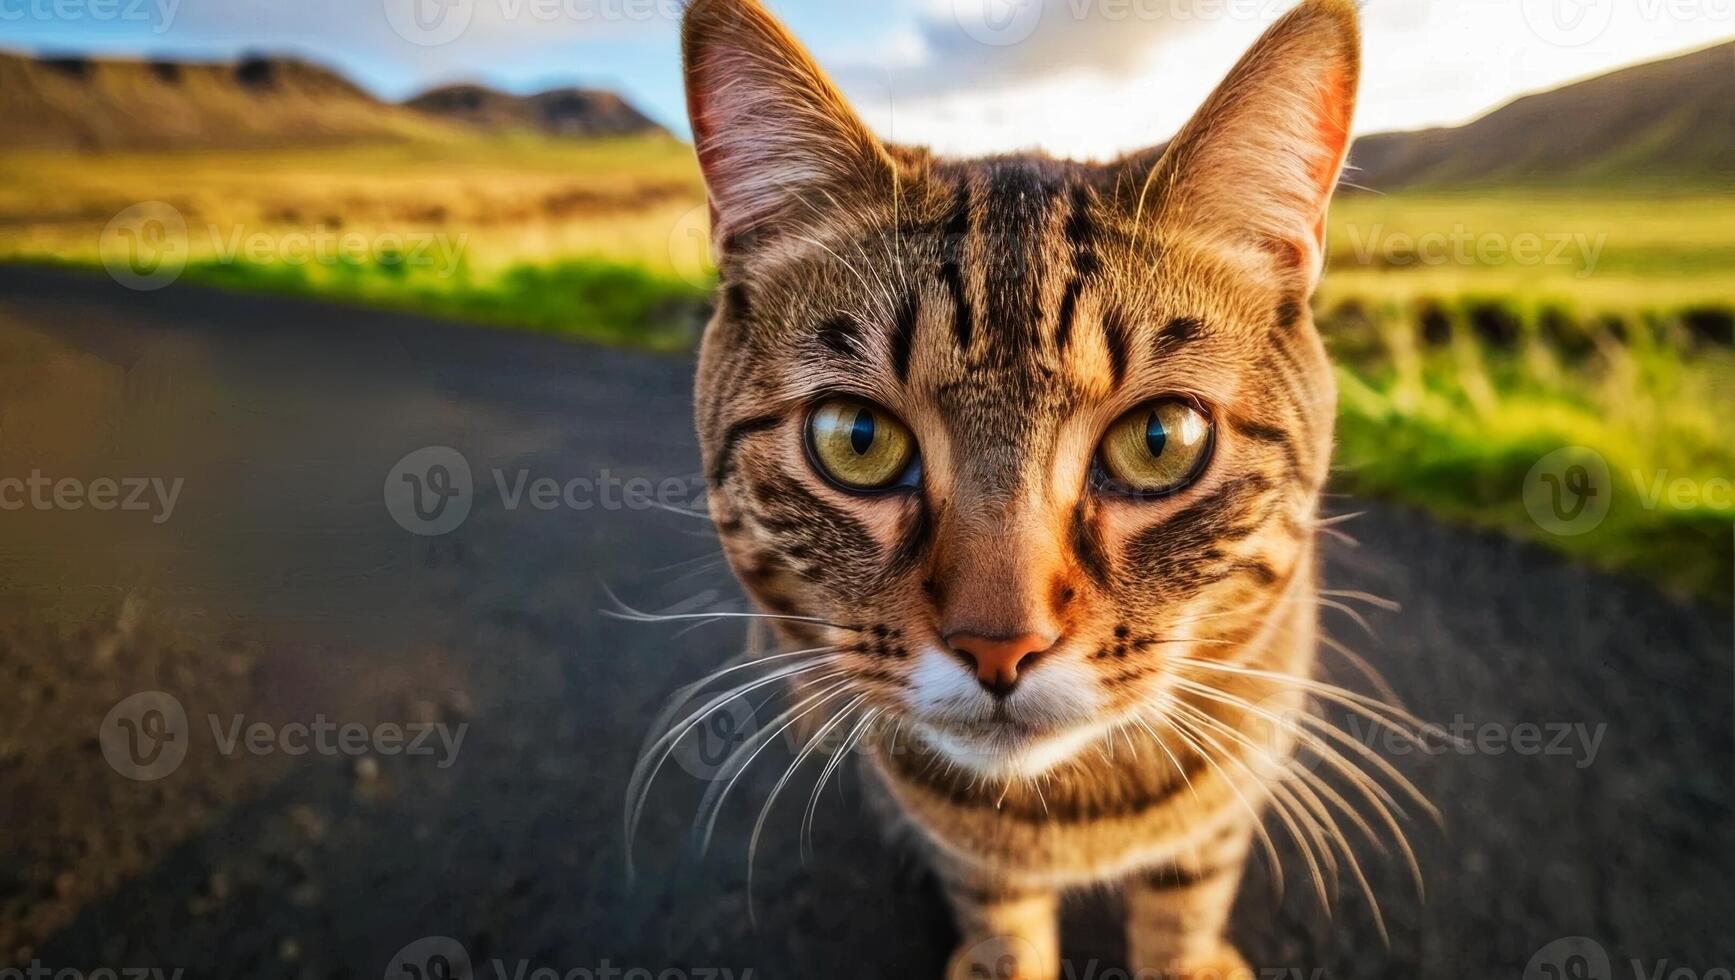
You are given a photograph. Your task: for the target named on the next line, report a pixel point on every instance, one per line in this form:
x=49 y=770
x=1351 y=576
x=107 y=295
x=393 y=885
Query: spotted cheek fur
x=802 y=556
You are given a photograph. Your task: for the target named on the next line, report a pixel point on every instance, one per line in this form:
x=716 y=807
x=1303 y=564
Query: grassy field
x=1478 y=333
x=603 y=240
x=1588 y=252
x=1458 y=425
x=500 y=202
x=1475 y=333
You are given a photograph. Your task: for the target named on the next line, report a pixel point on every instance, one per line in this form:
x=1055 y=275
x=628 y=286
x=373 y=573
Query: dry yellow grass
x=1590 y=250
x=500 y=202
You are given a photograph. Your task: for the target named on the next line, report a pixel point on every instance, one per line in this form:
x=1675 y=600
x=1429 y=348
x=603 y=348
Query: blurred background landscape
x=267 y=249
x=1558 y=272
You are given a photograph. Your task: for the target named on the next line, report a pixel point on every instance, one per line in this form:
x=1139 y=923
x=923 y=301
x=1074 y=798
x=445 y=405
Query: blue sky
x=1080 y=77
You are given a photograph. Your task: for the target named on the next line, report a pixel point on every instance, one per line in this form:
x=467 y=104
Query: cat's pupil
x=1156 y=437
x=861 y=436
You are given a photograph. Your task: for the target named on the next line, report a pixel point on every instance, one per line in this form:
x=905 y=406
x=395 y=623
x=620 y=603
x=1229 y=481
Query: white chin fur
x=1058 y=699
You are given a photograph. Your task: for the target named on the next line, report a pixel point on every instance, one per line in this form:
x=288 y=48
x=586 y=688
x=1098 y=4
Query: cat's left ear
x=778 y=143
x=1258 y=164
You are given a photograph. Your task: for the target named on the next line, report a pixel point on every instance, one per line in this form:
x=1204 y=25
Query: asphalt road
x=279 y=590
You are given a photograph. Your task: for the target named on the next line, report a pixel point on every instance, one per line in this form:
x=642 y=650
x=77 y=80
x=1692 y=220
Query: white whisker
x=1187 y=734
x=755 y=744
x=771 y=799
x=645 y=772
x=1378 y=602
x=1282 y=814
x=831 y=766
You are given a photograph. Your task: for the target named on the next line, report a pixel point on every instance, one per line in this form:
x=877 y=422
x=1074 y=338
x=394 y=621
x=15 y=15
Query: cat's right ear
x=1257 y=165
x=776 y=140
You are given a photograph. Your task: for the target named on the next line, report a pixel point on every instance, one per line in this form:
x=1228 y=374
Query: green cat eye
x=1156 y=449
x=859 y=446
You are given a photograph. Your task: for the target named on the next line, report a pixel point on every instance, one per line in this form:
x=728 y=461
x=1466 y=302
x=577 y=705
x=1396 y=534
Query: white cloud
x=989 y=44
x=1093 y=78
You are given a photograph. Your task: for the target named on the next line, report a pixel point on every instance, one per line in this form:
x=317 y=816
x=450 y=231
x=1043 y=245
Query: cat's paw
x=1003 y=958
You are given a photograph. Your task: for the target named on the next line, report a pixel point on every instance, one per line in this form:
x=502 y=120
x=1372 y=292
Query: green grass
x=1591 y=251
x=1460 y=368
x=595 y=300
x=1455 y=428
x=1535 y=319
x=496 y=204
x=594 y=240
x=587 y=299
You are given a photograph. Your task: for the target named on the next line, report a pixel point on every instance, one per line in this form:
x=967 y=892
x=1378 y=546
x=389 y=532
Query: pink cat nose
x=998 y=660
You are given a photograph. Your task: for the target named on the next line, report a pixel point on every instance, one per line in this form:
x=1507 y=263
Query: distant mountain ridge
x=565 y=112
x=1671 y=119
x=132 y=104
x=118 y=104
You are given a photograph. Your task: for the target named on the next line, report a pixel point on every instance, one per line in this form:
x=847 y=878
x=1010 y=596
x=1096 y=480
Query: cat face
x=1011 y=435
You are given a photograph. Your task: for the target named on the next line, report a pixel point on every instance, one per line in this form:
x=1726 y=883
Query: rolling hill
x=1671 y=120
x=131 y=104
x=1667 y=121
x=116 y=104
x=566 y=112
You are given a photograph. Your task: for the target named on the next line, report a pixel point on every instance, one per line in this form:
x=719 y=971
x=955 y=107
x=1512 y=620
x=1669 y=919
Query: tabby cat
x=1023 y=458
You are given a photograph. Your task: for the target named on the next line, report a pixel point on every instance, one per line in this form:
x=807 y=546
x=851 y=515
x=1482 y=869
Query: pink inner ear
x=1331 y=126
x=1330 y=129
x=699 y=110
x=716 y=72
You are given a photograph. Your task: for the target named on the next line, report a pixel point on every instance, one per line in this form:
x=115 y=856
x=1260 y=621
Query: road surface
x=262 y=587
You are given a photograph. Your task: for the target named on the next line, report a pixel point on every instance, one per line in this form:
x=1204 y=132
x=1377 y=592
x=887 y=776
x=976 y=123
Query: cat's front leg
x=1005 y=933
x=1177 y=917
